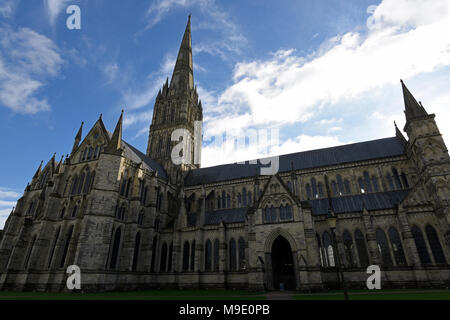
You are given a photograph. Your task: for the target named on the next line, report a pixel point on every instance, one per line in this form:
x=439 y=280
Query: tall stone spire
x=183 y=74
x=77 y=138
x=116 y=140
x=413 y=109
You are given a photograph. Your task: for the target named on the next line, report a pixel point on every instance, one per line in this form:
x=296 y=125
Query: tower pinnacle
x=412 y=108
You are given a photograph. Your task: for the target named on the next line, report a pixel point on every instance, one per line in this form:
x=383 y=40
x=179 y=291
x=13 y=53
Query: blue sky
x=322 y=72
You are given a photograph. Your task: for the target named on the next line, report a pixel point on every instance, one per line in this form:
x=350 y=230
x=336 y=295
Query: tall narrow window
x=348 y=245
x=383 y=247
x=361 y=185
x=115 y=249
x=154 y=248
x=390 y=182
x=367 y=182
x=52 y=251
x=241 y=250
x=322 y=258
x=405 y=181
x=193 y=256
x=216 y=255
x=288 y=212
x=340 y=185
x=308 y=191
x=186 y=256
x=328 y=247
x=315 y=194
x=208 y=255
x=232 y=255
x=66 y=247
x=30 y=249
x=169 y=262
x=347 y=187
x=376 y=185
x=163 y=261
x=273 y=214
x=137 y=243
x=397 y=181
x=87 y=182
x=250 y=202
x=334 y=188
x=74 y=185
x=435 y=245
x=224 y=199
x=228 y=201
x=397 y=247
x=361 y=247
x=320 y=189
x=424 y=256
x=91 y=183
x=267 y=214
x=244 y=197
x=282 y=212
x=239 y=200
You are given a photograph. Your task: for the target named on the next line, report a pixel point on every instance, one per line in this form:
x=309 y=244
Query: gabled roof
x=368 y=150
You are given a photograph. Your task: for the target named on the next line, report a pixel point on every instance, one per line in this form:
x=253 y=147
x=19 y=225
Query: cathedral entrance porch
x=283 y=274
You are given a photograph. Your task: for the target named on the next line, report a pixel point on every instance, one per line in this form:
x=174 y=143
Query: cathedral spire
x=412 y=108
x=77 y=138
x=116 y=139
x=183 y=75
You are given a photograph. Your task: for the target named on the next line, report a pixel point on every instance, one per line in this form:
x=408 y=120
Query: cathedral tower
x=177 y=109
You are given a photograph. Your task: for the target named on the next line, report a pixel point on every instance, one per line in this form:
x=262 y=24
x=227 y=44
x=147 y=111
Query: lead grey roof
x=375 y=149
x=135 y=155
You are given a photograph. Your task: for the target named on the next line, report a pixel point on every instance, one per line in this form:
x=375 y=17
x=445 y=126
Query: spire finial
x=100 y=117
x=412 y=108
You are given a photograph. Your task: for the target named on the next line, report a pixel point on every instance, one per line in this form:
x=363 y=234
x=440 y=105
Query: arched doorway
x=282 y=264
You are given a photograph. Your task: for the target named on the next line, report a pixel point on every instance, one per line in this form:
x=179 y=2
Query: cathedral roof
x=368 y=150
x=135 y=155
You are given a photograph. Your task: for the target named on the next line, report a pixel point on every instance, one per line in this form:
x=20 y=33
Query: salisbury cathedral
x=131 y=220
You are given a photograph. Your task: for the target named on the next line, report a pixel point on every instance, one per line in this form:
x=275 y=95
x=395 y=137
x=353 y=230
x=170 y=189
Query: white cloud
x=27 y=59
x=227 y=152
x=54 y=7
x=409 y=39
x=6 y=203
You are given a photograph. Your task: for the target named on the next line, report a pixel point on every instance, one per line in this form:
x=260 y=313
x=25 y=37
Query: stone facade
x=131 y=220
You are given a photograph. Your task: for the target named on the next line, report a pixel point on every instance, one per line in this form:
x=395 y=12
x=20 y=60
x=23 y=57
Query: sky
x=322 y=73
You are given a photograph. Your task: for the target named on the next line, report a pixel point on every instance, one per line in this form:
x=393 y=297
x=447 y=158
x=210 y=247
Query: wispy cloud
x=7 y=8
x=408 y=39
x=27 y=60
x=54 y=7
x=227 y=40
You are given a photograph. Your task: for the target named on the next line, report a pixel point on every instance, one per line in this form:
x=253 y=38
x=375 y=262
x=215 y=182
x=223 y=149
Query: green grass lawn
x=387 y=294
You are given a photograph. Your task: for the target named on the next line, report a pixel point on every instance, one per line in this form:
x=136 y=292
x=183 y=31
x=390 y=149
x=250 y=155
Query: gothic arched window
x=375 y=184
x=308 y=191
x=74 y=211
x=390 y=182
x=250 y=198
x=361 y=247
x=232 y=254
x=328 y=247
x=193 y=255
x=267 y=214
x=347 y=187
x=74 y=185
x=66 y=247
x=208 y=255
x=383 y=247
x=224 y=199
x=424 y=256
x=367 y=182
x=397 y=247
x=361 y=185
x=241 y=250
x=273 y=214
x=169 y=262
x=50 y=257
x=334 y=189
x=163 y=261
x=289 y=212
x=228 y=201
x=282 y=212
x=87 y=182
x=405 y=181
x=137 y=242
x=244 y=197
x=320 y=189
x=397 y=181
x=154 y=248
x=30 y=249
x=239 y=200
x=216 y=255
x=340 y=185
x=186 y=256
x=314 y=188
x=322 y=256
x=348 y=245
x=435 y=245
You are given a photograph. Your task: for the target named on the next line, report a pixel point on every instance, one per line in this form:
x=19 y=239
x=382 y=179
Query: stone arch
x=279 y=232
